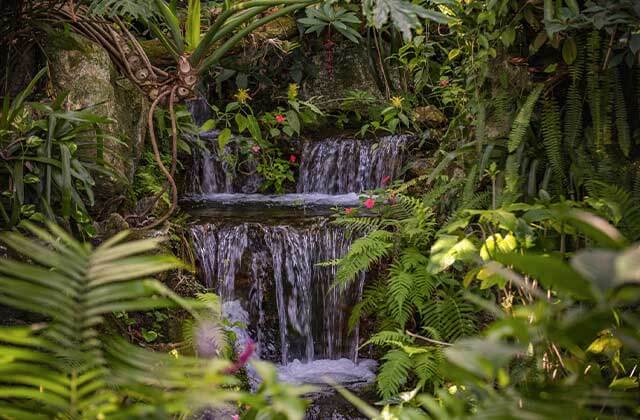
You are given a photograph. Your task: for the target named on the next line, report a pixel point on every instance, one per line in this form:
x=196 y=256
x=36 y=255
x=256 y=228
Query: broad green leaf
x=551 y=272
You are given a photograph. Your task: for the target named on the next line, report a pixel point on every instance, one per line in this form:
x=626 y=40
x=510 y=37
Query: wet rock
x=85 y=71
x=430 y=116
x=420 y=167
x=115 y=223
x=350 y=71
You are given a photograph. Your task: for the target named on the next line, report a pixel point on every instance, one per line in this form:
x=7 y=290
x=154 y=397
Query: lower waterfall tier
x=271 y=272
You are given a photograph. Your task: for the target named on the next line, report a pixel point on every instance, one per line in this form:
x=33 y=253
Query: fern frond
x=624 y=208
x=451 y=316
x=427 y=365
x=394 y=372
x=552 y=138
x=364 y=253
x=623 y=133
x=575 y=101
x=523 y=119
x=469 y=186
x=594 y=93
x=389 y=338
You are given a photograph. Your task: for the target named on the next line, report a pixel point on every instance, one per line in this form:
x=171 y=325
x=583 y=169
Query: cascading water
x=260 y=253
x=329 y=166
x=265 y=267
x=339 y=166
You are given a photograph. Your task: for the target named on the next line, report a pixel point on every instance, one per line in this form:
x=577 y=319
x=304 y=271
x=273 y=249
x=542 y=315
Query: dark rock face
x=90 y=79
x=349 y=71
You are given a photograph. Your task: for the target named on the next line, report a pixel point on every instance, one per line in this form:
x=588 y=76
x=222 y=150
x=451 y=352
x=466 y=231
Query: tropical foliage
x=70 y=365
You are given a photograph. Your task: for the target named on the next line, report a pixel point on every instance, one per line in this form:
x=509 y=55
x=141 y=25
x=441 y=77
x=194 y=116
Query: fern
x=622 y=125
x=469 y=186
x=574 y=103
x=624 y=208
x=428 y=364
x=394 y=372
x=364 y=253
x=451 y=316
x=523 y=119
x=389 y=338
x=552 y=138
x=594 y=93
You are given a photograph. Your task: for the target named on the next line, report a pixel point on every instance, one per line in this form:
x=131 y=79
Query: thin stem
x=428 y=340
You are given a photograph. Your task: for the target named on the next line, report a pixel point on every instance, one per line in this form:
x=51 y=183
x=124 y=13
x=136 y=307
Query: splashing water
x=339 y=166
x=293 y=310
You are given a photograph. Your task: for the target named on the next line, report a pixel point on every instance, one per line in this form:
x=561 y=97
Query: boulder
x=350 y=71
x=84 y=70
x=430 y=116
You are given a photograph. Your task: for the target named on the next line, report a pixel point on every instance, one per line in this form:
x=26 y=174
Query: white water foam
x=341 y=371
x=289 y=200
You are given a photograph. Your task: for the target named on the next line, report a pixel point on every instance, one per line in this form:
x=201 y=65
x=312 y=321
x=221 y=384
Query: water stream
x=261 y=253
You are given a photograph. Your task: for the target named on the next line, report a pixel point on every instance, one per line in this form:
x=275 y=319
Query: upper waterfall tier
x=340 y=166
x=329 y=166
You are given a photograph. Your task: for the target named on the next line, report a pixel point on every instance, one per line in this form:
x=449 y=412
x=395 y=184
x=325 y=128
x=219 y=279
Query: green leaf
x=223 y=139
x=254 y=128
x=65 y=160
x=207 y=126
x=192 y=25
x=149 y=336
x=551 y=272
x=569 y=51
x=447 y=250
x=294 y=122
x=172 y=22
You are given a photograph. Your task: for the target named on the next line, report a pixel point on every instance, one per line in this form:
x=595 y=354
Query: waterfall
x=338 y=166
x=329 y=166
x=216 y=172
x=272 y=270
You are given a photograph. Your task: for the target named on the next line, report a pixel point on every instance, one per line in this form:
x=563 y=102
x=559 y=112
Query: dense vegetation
x=504 y=277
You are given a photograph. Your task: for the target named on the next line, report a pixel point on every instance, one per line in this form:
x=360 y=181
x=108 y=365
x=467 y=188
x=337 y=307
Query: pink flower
x=280 y=118
x=348 y=211
x=444 y=83
x=369 y=203
x=385 y=180
x=293 y=158
x=235 y=417
x=242 y=359
x=255 y=148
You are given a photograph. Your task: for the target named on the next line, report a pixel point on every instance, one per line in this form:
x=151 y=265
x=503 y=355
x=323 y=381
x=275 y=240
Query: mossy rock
x=85 y=72
x=350 y=72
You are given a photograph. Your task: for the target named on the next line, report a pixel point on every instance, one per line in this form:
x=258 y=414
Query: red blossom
x=293 y=159
x=385 y=180
x=348 y=211
x=369 y=203
x=242 y=359
x=281 y=118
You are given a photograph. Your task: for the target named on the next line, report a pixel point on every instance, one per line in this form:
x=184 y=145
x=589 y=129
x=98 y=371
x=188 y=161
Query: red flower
x=281 y=118
x=255 y=148
x=385 y=180
x=369 y=203
x=293 y=159
x=348 y=211
x=243 y=358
